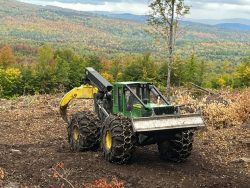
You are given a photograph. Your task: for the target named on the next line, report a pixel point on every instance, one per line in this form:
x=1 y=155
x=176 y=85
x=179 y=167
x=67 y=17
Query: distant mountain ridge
x=127 y=16
x=232 y=24
x=108 y=33
x=242 y=21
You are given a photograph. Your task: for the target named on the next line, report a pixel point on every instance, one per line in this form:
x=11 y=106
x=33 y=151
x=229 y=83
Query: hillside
x=26 y=27
x=234 y=26
x=221 y=21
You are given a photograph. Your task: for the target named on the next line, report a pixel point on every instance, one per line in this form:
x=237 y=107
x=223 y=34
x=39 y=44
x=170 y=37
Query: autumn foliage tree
x=164 y=17
x=242 y=73
x=7 y=57
x=62 y=69
x=9 y=75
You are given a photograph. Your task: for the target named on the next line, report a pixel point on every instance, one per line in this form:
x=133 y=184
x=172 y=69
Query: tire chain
x=89 y=127
x=122 y=130
x=183 y=145
x=180 y=147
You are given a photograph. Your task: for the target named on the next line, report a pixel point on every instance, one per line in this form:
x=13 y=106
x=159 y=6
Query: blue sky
x=200 y=9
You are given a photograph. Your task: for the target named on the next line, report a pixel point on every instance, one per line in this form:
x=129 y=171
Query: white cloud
x=220 y=9
x=121 y=7
x=201 y=9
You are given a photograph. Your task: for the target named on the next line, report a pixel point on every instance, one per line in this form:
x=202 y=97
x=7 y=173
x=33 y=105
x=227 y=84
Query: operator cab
x=139 y=99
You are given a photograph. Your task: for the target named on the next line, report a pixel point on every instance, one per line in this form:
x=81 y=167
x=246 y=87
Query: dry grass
x=103 y=183
x=219 y=110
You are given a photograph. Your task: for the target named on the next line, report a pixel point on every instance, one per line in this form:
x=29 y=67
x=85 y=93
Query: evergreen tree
x=45 y=69
x=191 y=70
x=62 y=71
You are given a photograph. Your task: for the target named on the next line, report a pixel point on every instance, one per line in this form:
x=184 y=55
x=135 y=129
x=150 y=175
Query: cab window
x=120 y=103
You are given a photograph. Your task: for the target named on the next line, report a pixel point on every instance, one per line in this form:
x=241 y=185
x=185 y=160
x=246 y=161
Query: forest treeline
x=59 y=70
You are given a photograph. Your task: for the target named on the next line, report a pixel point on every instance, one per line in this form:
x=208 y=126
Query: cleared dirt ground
x=33 y=140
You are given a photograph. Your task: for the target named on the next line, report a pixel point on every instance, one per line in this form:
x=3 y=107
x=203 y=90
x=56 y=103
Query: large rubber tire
x=178 y=148
x=84 y=131
x=121 y=139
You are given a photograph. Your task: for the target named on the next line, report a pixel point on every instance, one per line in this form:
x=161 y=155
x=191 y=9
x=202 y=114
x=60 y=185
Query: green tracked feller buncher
x=126 y=115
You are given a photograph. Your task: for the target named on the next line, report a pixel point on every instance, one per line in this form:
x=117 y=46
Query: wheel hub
x=108 y=140
x=75 y=133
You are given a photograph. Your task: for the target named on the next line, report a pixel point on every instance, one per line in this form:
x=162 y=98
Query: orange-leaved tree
x=7 y=57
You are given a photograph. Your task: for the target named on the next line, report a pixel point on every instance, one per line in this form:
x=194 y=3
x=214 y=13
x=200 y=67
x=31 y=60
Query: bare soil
x=33 y=139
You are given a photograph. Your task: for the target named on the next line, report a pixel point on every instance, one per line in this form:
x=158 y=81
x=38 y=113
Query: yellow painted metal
x=82 y=92
x=138 y=106
x=108 y=140
x=76 y=133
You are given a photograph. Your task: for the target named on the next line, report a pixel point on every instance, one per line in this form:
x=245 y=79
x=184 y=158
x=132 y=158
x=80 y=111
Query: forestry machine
x=126 y=115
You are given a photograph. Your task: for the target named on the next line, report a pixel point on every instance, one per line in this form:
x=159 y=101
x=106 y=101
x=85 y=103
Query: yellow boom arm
x=82 y=92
